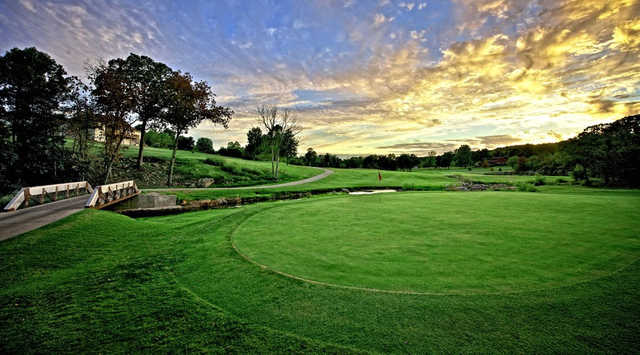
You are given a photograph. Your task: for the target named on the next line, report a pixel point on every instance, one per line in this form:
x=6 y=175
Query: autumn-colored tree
x=188 y=104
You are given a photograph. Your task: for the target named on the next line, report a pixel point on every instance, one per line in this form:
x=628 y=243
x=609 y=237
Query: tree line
x=40 y=105
x=609 y=153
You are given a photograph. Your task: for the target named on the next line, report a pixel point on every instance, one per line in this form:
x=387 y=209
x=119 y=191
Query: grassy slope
x=192 y=164
x=174 y=284
x=230 y=171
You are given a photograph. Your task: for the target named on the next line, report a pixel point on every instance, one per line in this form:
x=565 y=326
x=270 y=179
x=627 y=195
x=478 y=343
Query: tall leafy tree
x=148 y=88
x=204 y=145
x=114 y=92
x=188 y=104
x=81 y=110
x=289 y=146
x=32 y=89
x=463 y=156
x=610 y=151
x=254 y=142
x=310 y=156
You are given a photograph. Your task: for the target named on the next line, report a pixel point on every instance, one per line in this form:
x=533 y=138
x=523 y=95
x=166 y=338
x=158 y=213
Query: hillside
x=195 y=169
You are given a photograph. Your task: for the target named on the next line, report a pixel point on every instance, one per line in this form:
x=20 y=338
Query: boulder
x=205 y=182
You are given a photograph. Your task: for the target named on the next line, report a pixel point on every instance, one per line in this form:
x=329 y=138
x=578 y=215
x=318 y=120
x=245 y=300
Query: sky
x=369 y=76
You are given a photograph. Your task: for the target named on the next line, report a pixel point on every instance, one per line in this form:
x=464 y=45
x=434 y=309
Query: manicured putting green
x=446 y=243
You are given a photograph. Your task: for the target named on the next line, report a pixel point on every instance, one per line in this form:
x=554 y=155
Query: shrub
x=408 y=186
x=579 y=173
x=214 y=162
x=231 y=169
x=539 y=180
x=526 y=187
x=561 y=181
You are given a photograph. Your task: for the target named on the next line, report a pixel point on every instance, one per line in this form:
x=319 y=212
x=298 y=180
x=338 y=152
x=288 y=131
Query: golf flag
x=379 y=176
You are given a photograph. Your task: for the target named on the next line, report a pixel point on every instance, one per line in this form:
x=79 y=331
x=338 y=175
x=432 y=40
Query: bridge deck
x=24 y=220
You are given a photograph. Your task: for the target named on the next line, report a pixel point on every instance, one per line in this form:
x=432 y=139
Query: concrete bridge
x=56 y=202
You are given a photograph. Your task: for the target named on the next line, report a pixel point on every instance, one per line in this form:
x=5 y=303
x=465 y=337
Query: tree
x=115 y=99
x=407 y=162
x=159 y=139
x=254 y=142
x=610 y=151
x=289 y=146
x=32 y=89
x=186 y=143
x=148 y=79
x=444 y=160
x=188 y=104
x=276 y=122
x=310 y=156
x=204 y=145
x=233 y=149
x=463 y=156
x=83 y=119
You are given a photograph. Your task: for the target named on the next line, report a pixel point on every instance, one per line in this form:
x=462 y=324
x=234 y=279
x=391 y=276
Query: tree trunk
x=143 y=130
x=273 y=158
x=277 y=162
x=173 y=161
x=112 y=159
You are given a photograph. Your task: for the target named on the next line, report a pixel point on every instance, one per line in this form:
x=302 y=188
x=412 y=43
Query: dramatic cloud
x=501 y=139
x=372 y=77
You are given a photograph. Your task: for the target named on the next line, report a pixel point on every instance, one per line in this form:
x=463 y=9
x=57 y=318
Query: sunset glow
x=371 y=76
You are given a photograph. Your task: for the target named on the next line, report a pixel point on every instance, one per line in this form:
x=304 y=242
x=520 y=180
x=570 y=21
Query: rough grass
x=228 y=171
x=100 y=282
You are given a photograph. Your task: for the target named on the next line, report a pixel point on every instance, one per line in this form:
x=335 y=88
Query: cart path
x=21 y=221
x=326 y=173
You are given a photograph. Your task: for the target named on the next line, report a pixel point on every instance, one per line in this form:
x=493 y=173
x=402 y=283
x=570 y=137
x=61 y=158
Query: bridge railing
x=42 y=192
x=105 y=195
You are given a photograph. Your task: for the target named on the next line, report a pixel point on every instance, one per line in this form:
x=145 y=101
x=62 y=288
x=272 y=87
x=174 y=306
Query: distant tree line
x=607 y=152
x=40 y=105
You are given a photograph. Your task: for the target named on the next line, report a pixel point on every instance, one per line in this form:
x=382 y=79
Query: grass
x=191 y=166
x=248 y=171
x=100 y=282
x=421 y=179
x=444 y=243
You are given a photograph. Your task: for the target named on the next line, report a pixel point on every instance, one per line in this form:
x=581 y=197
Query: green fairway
x=101 y=281
x=444 y=243
x=419 y=179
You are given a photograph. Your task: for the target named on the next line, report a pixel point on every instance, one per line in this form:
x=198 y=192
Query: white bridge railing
x=105 y=195
x=51 y=191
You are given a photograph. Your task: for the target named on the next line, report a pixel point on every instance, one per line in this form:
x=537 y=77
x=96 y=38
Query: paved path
x=326 y=173
x=22 y=221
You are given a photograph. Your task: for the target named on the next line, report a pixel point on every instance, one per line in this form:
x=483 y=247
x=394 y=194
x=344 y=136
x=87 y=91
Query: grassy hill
x=194 y=166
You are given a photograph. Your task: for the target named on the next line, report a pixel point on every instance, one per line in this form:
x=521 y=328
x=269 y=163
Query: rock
x=345 y=190
x=205 y=182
